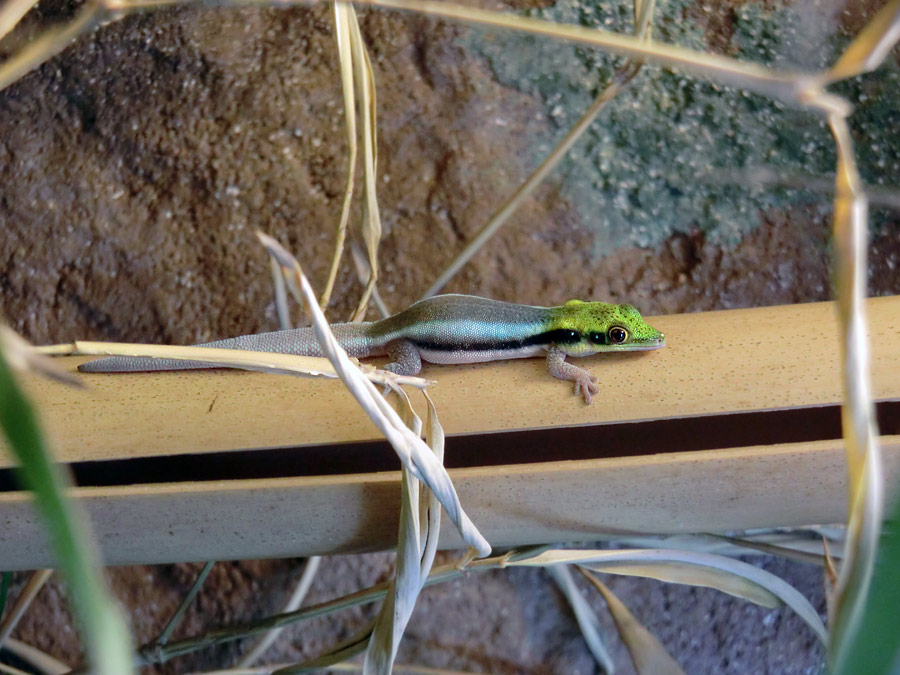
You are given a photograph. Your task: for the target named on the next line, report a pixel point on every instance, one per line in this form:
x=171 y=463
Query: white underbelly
x=478 y=355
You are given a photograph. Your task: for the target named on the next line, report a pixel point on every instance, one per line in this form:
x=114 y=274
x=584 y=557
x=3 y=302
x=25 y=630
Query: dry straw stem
x=40 y=661
x=584 y=615
x=12 y=13
x=794 y=546
x=15 y=613
x=293 y=603
x=23 y=357
x=280 y=292
x=371 y=228
x=420 y=527
x=864 y=462
x=696 y=569
x=792 y=87
x=179 y=613
x=399 y=669
x=344 y=651
x=416 y=546
x=647 y=653
x=344 y=14
x=769 y=175
x=362 y=272
x=776 y=550
x=539 y=556
x=414 y=454
x=404 y=590
x=871 y=46
x=643 y=12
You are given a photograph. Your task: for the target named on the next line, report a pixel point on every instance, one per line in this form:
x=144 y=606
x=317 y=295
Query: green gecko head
x=603 y=327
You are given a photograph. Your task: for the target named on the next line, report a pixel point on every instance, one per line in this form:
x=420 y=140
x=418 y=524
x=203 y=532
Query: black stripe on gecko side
x=559 y=336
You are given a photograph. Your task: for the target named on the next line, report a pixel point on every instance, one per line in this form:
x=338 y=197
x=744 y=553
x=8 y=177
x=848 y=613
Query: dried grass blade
x=643 y=13
x=864 y=464
x=647 y=653
x=342 y=35
x=12 y=12
x=653 y=563
x=781 y=544
x=293 y=603
x=371 y=231
x=420 y=512
x=50 y=43
x=790 y=87
x=363 y=272
x=404 y=589
x=32 y=587
x=776 y=550
x=871 y=46
x=346 y=650
x=23 y=357
x=584 y=615
x=431 y=507
x=692 y=575
x=37 y=659
x=620 y=80
x=281 y=304
x=412 y=450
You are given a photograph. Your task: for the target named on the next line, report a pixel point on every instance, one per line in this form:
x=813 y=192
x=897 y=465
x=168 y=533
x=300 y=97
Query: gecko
x=453 y=329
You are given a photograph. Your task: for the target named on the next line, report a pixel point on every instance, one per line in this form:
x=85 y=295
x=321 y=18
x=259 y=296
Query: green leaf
x=106 y=637
x=875 y=648
x=4 y=591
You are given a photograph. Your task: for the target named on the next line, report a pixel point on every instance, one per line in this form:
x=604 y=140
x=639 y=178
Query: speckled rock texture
x=134 y=169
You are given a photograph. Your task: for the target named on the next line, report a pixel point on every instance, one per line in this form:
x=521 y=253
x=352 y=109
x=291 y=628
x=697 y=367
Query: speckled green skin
x=587 y=318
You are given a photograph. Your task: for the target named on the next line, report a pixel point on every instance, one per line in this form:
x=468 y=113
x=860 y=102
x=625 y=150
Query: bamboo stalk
x=718 y=362
x=713 y=491
x=715 y=362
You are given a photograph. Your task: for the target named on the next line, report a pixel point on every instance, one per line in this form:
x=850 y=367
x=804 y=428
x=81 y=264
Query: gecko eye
x=617 y=334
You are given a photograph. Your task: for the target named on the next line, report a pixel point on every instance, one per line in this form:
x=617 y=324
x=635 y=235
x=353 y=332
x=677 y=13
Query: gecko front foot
x=586 y=385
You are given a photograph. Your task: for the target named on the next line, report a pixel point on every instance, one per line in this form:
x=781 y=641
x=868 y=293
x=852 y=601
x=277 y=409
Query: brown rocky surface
x=134 y=169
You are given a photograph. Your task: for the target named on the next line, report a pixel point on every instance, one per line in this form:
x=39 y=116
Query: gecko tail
x=139 y=364
x=297 y=341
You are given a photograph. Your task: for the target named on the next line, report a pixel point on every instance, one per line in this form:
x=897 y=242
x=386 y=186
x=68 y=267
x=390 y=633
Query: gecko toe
x=588 y=387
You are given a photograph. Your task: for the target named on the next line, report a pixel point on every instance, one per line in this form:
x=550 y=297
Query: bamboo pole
x=708 y=491
x=717 y=362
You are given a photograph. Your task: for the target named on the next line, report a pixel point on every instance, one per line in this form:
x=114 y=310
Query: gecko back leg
x=405 y=358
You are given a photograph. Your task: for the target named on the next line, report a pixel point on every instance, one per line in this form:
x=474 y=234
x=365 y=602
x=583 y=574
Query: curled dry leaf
x=584 y=615
x=689 y=567
x=647 y=653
